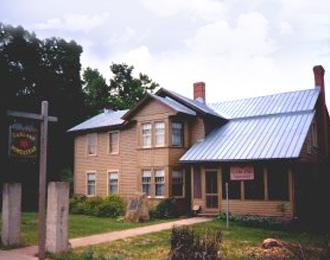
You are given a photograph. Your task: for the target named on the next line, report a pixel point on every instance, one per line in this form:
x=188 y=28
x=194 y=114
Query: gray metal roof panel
x=294 y=101
x=174 y=105
x=106 y=119
x=278 y=136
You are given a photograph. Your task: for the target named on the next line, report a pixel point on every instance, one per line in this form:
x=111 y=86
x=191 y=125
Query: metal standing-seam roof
x=259 y=138
x=106 y=119
x=295 y=101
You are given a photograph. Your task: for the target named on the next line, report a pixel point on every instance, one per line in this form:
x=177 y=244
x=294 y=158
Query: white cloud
x=285 y=28
x=210 y=10
x=249 y=38
x=74 y=22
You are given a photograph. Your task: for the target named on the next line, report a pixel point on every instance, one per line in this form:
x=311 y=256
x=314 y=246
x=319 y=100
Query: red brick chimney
x=199 y=92
x=323 y=132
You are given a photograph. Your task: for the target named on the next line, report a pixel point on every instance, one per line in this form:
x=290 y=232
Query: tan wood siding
x=196 y=130
x=259 y=208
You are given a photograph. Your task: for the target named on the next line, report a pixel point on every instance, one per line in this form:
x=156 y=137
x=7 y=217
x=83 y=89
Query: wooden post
x=42 y=179
x=265 y=183
x=242 y=191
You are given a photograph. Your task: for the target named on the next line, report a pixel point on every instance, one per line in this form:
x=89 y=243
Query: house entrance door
x=211 y=190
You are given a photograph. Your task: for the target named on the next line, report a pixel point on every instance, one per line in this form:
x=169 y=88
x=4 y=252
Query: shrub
x=186 y=244
x=165 y=209
x=258 y=221
x=111 y=206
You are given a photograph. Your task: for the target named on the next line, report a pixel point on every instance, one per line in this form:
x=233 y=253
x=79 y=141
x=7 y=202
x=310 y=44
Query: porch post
x=265 y=183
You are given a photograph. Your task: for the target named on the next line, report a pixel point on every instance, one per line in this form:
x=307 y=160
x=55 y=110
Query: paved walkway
x=28 y=253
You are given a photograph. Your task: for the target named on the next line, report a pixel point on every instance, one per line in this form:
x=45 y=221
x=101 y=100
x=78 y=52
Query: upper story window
x=92 y=144
x=114 y=142
x=314 y=134
x=159 y=134
x=113 y=182
x=146 y=135
x=177 y=134
x=91 y=184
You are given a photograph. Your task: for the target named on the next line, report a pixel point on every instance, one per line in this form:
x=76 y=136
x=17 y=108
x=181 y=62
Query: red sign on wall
x=245 y=173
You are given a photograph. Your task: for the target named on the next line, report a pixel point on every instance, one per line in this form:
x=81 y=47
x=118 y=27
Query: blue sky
x=239 y=48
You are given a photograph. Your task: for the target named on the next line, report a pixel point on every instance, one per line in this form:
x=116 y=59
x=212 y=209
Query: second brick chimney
x=199 y=92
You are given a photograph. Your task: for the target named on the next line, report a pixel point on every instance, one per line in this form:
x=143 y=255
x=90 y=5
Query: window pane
x=159 y=182
x=91 y=180
x=146 y=135
x=278 y=182
x=177 y=183
x=114 y=141
x=159 y=133
x=177 y=134
x=197 y=183
x=91 y=143
x=146 y=182
x=113 y=182
x=254 y=189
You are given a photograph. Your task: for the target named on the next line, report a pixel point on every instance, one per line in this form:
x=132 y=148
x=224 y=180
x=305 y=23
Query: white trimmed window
x=114 y=142
x=177 y=134
x=92 y=144
x=159 y=183
x=91 y=184
x=113 y=182
x=146 y=182
x=159 y=134
x=177 y=183
x=146 y=135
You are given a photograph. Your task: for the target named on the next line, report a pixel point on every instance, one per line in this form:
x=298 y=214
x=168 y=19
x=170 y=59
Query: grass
x=79 y=226
x=239 y=243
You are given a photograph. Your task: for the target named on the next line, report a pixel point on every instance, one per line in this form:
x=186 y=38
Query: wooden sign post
x=44 y=119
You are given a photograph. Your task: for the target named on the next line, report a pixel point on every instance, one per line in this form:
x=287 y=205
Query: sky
x=239 y=48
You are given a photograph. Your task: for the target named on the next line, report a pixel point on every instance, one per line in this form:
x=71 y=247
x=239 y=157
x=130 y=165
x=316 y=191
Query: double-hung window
x=91 y=184
x=159 y=134
x=114 y=142
x=177 y=183
x=113 y=182
x=146 y=182
x=92 y=144
x=177 y=134
x=159 y=183
x=146 y=135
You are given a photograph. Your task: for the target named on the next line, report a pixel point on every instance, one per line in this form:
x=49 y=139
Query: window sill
x=91 y=155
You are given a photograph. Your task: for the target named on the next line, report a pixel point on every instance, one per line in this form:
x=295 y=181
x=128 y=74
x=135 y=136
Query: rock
x=137 y=209
x=270 y=243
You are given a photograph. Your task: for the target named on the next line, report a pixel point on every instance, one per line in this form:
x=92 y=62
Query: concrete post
x=57 y=217
x=11 y=214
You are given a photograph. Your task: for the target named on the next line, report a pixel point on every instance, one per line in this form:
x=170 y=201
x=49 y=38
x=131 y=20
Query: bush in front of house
x=111 y=206
x=273 y=223
x=187 y=244
x=165 y=209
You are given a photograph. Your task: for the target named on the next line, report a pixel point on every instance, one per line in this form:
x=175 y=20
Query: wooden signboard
x=245 y=173
x=23 y=140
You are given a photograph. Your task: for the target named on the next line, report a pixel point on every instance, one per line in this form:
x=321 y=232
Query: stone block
x=137 y=209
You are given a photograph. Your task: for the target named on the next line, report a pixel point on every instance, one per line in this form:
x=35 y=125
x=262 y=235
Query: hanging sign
x=23 y=141
x=238 y=173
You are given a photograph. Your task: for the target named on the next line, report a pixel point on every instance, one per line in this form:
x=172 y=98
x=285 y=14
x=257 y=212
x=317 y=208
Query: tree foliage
x=33 y=70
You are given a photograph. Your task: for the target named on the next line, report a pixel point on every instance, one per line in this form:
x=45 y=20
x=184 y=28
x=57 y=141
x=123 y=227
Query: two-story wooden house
x=168 y=145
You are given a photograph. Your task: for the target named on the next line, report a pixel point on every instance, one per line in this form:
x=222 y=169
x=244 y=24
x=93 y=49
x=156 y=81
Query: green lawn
x=239 y=243
x=79 y=226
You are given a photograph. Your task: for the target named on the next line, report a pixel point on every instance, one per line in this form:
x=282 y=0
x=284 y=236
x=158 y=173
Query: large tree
x=32 y=70
x=125 y=90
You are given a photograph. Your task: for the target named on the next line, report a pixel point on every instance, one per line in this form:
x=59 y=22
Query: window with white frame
x=159 y=183
x=91 y=184
x=159 y=134
x=146 y=135
x=146 y=182
x=177 y=183
x=113 y=182
x=92 y=144
x=114 y=142
x=177 y=134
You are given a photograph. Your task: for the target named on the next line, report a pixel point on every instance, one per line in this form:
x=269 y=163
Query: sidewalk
x=28 y=253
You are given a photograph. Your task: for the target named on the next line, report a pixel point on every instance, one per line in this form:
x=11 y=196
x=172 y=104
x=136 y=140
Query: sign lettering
x=245 y=173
